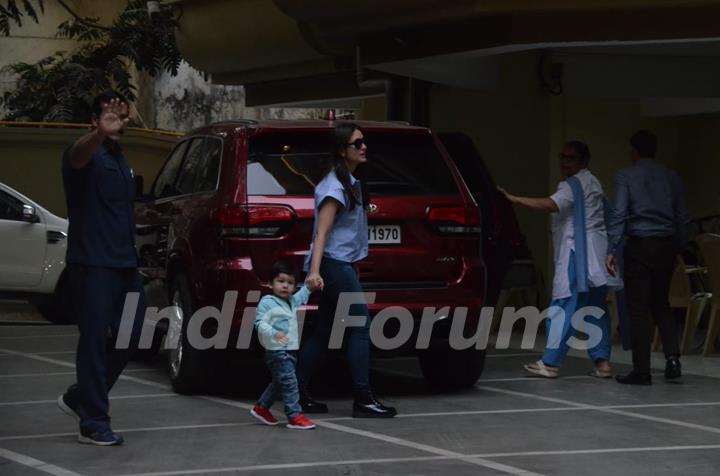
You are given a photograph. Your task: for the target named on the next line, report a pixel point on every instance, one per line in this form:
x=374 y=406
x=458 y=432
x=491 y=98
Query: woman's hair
x=341 y=138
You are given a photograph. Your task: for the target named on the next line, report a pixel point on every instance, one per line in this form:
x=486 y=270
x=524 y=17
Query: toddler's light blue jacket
x=275 y=314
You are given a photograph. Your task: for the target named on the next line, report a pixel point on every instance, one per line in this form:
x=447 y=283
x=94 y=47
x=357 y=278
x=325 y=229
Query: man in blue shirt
x=101 y=266
x=650 y=209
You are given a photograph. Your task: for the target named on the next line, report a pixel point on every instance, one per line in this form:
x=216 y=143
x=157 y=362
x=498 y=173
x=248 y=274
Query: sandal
x=541 y=370
x=597 y=373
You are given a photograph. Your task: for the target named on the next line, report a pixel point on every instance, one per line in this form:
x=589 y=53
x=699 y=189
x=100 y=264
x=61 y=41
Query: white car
x=33 y=243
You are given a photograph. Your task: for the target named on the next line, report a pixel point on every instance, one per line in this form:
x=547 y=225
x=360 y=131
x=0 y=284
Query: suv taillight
x=454 y=220
x=255 y=221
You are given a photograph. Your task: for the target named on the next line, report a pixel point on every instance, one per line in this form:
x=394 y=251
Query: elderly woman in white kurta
x=580 y=245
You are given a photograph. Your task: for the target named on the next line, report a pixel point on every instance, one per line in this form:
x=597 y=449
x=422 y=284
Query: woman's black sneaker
x=368 y=407
x=309 y=405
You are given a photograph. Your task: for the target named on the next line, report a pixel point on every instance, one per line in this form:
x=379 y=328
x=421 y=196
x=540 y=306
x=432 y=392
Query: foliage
x=11 y=12
x=61 y=87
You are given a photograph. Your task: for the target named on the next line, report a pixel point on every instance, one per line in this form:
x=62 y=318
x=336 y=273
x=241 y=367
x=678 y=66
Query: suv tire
x=190 y=368
x=452 y=369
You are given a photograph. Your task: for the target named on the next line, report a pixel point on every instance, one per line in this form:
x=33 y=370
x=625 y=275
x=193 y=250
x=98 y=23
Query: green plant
x=11 y=12
x=61 y=87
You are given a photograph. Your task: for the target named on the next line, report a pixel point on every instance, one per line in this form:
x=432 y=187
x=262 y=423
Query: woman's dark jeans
x=339 y=277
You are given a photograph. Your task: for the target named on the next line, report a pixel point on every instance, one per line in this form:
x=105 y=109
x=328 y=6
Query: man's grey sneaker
x=101 y=438
x=67 y=408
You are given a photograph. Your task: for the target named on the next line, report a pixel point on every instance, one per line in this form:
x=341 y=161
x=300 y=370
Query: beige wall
x=519 y=130
x=33 y=41
x=606 y=125
x=698 y=162
x=689 y=145
x=30 y=159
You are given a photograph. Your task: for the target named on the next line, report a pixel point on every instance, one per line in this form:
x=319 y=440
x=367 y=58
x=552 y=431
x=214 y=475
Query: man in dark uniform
x=101 y=266
x=650 y=210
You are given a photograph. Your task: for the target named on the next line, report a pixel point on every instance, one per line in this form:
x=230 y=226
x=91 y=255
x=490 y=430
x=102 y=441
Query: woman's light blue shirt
x=348 y=241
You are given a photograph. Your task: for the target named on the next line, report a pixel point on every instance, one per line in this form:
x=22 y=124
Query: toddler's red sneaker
x=264 y=415
x=301 y=422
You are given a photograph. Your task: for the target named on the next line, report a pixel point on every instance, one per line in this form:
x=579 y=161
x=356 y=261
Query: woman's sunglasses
x=357 y=143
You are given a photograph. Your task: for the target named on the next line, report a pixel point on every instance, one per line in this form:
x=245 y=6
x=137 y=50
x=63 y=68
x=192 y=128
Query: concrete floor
x=507 y=424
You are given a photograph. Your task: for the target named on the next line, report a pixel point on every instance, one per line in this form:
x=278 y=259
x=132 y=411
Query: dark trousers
x=97 y=297
x=649 y=266
x=339 y=277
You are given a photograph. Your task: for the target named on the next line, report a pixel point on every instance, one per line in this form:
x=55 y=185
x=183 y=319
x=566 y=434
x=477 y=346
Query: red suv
x=234 y=197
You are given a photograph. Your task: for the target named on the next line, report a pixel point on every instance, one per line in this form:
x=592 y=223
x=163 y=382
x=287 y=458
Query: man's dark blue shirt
x=99 y=201
x=649 y=202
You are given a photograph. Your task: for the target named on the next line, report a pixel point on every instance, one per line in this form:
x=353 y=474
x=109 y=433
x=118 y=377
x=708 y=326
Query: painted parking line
x=507 y=469
x=487 y=355
x=479 y=461
x=338 y=419
x=522 y=354
x=555 y=409
x=35 y=464
x=410 y=459
x=133 y=430
x=70 y=365
x=65 y=352
x=401 y=373
x=119 y=397
x=36 y=336
x=566 y=402
x=639 y=416
x=503 y=468
x=55 y=374
x=401 y=442
x=20 y=322
x=245 y=406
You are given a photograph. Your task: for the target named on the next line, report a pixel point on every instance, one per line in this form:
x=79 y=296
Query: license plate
x=384 y=234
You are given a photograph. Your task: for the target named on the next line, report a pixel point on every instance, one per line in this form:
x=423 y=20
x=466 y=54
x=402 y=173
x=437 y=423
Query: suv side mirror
x=29 y=214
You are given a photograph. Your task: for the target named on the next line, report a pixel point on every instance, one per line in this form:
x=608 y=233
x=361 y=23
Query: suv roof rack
x=242 y=122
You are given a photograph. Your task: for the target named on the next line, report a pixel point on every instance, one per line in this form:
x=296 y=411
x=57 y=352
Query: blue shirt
x=275 y=314
x=100 y=203
x=649 y=202
x=348 y=241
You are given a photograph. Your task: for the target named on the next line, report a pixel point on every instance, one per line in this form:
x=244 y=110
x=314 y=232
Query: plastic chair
x=682 y=297
x=710 y=250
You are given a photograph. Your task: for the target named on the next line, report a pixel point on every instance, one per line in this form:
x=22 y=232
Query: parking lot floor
x=508 y=423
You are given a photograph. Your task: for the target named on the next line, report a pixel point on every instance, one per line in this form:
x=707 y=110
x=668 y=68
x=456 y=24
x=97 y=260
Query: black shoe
x=673 y=369
x=367 y=406
x=634 y=378
x=309 y=405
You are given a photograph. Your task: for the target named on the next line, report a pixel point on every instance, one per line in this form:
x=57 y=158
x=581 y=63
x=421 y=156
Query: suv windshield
x=292 y=163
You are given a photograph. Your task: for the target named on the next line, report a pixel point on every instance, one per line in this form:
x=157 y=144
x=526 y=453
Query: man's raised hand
x=113 y=117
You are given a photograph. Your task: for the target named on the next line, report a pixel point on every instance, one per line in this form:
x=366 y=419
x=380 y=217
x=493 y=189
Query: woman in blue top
x=340 y=239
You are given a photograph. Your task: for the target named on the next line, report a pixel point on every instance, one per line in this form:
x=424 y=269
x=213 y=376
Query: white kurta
x=563 y=232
